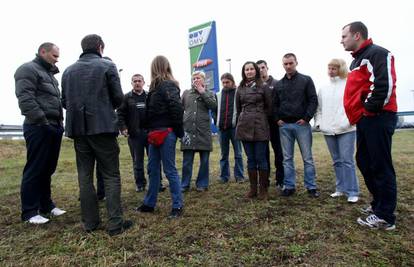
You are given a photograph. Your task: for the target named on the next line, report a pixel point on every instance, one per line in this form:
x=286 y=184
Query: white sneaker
x=373 y=222
x=337 y=194
x=38 y=219
x=57 y=212
x=353 y=199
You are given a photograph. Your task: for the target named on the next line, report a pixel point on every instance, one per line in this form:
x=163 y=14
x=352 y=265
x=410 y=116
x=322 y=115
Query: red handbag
x=157 y=137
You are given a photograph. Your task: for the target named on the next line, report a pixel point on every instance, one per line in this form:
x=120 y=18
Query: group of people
x=260 y=109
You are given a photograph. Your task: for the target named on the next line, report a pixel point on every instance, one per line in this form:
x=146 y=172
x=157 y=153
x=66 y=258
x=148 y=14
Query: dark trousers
x=256 y=155
x=137 y=147
x=43 y=147
x=100 y=186
x=277 y=152
x=373 y=156
x=104 y=149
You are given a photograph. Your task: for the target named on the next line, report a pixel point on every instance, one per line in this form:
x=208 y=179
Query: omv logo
x=198 y=37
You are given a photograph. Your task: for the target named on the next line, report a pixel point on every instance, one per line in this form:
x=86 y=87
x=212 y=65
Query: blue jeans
x=203 y=171
x=256 y=155
x=289 y=132
x=165 y=154
x=225 y=137
x=342 y=149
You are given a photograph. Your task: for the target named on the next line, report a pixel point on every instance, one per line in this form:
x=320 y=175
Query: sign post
x=202 y=41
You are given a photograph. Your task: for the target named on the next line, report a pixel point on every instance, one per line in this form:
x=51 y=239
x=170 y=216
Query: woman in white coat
x=339 y=135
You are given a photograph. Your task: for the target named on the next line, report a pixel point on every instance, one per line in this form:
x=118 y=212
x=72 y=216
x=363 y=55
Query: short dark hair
x=46 y=46
x=261 y=62
x=137 y=75
x=287 y=55
x=358 y=26
x=91 y=42
x=227 y=76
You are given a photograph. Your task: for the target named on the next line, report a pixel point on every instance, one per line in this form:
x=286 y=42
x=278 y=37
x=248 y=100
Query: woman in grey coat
x=197 y=131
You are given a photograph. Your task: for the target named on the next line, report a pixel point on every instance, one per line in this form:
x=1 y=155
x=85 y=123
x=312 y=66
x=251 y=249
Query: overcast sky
x=136 y=31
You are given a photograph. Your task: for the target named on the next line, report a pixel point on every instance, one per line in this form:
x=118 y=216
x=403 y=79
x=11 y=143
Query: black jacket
x=37 y=91
x=164 y=108
x=91 y=91
x=131 y=113
x=294 y=99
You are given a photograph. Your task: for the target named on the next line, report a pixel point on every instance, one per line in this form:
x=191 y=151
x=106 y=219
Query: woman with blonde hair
x=164 y=119
x=197 y=103
x=339 y=134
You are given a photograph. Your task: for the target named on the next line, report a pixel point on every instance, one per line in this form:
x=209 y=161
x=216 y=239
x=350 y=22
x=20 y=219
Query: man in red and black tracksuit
x=370 y=103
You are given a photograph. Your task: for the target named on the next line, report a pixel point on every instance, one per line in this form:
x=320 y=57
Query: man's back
x=91 y=91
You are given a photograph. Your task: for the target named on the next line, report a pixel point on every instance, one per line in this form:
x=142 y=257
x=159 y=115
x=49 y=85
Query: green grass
x=219 y=227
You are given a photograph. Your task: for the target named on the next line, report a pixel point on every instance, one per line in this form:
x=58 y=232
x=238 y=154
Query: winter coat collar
x=86 y=52
x=364 y=45
x=49 y=67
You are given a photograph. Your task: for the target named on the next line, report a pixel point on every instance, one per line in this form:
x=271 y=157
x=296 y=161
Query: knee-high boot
x=263 y=185
x=253 y=184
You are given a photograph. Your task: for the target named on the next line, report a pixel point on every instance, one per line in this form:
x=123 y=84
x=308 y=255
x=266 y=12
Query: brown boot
x=253 y=184
x=264 y=185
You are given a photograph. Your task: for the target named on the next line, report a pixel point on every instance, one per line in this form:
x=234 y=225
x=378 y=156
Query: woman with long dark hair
x=253 y=104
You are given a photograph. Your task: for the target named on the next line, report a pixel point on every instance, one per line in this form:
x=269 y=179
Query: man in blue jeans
x=225 y=120
x=294 y=104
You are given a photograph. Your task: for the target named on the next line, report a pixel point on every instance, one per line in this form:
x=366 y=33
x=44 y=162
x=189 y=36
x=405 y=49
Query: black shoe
x=175 y=213
x=92 y=229
x=101 y=198
x=140 y=188
x=185 y=189
x=279 y=185
x=287 y=192
x=202 y=189
x=145 y=208
x=240 y=180
x=222 y=181
x=313 y=193
x=125 y=225
x=162 y=188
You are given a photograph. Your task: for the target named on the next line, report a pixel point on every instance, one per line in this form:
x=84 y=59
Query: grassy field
x=219 y=227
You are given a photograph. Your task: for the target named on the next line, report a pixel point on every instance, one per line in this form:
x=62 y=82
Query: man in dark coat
x=39 y=101
x=273 y=127
x=91 y=91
